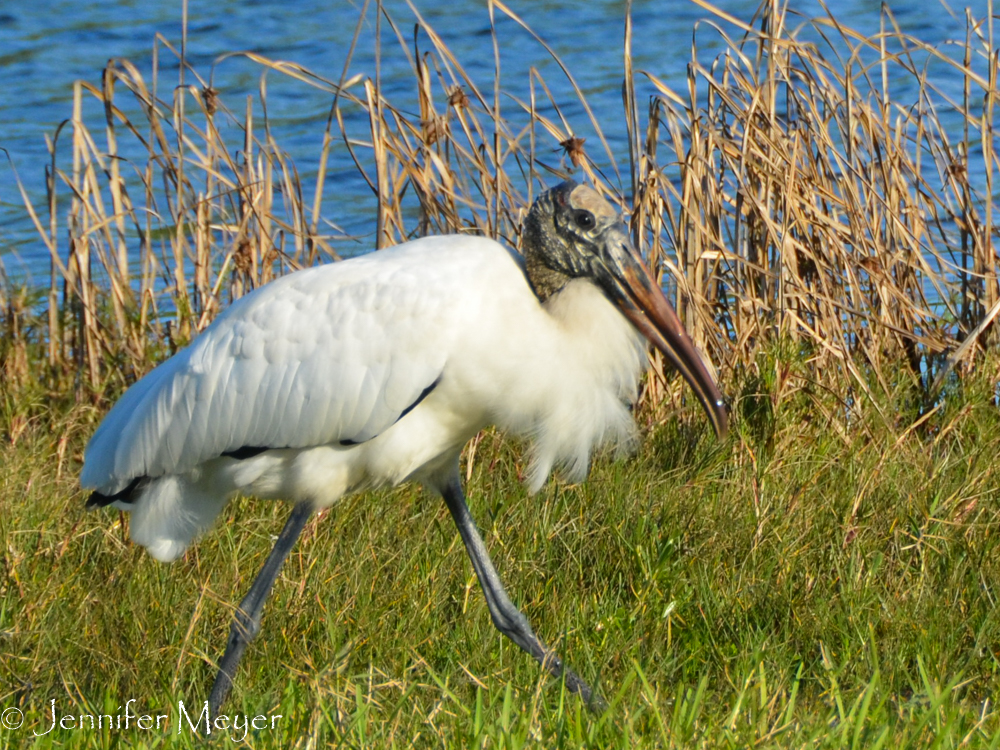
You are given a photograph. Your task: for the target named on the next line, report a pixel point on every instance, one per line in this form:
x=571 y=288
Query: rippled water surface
x=47 y=44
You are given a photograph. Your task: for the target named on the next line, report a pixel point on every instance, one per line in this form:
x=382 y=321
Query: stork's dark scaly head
x=572 y=232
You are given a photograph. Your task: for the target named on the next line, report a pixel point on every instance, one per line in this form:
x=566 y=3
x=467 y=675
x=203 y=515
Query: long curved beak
x=632 y=289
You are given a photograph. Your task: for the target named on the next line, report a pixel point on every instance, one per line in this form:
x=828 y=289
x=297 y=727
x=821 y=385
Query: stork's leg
x=508 y=619
x=246 y=621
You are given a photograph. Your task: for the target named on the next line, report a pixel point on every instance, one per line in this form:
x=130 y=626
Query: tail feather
x=170 y=512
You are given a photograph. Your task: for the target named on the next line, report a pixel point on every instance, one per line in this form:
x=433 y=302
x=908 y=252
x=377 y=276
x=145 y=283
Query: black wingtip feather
x=423 y=394
x=127 y=495
x=244 y=452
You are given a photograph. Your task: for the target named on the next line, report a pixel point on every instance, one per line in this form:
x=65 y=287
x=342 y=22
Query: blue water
x=47 y=44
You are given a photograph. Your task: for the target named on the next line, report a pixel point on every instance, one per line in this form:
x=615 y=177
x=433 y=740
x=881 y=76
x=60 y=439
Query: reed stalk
x=785 y=194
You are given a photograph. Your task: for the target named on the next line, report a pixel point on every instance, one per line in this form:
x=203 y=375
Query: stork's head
x=572 y=232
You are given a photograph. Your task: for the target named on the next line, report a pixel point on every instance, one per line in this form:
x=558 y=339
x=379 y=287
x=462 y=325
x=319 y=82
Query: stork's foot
x=512 y=623
x=591 y=698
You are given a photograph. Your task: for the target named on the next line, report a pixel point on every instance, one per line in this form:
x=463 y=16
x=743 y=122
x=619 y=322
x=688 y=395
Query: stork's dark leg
x=508 y=619
x=246 y=622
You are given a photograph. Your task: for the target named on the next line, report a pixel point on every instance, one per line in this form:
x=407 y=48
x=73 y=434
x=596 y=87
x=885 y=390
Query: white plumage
x=378 y=370
x=336 y=353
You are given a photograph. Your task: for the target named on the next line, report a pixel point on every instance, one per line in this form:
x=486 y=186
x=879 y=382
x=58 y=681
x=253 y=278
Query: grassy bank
x=792 y=587
x=826 y=577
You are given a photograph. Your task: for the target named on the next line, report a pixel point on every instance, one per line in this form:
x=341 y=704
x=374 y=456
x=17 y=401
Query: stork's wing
x=334 y=354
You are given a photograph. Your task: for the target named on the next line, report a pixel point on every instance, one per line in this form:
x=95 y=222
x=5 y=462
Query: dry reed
x=788 y=199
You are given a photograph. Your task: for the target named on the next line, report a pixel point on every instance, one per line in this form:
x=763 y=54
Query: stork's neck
x=544 y=280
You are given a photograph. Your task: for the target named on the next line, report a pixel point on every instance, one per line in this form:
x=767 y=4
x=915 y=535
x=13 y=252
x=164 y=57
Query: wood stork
x=378 y=370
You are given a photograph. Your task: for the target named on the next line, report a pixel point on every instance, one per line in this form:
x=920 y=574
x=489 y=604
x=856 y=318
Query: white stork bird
x=377 y=370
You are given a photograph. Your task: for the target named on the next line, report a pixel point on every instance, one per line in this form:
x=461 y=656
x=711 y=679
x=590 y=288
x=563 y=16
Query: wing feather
x=324 y=355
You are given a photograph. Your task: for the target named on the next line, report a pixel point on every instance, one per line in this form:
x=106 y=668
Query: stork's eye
x=584 y=219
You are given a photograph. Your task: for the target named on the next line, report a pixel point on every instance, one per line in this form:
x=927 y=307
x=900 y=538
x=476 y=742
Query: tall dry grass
x=790 y=199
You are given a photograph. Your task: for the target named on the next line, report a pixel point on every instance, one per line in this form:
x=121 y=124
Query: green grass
x=821 y=582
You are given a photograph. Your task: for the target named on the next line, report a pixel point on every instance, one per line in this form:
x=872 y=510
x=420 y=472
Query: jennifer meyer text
x=186 y=719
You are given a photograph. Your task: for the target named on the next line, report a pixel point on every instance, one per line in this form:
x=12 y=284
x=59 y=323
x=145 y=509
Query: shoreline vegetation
x=826 y=577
